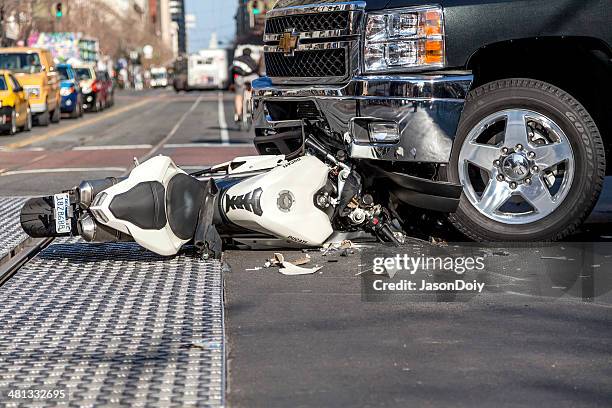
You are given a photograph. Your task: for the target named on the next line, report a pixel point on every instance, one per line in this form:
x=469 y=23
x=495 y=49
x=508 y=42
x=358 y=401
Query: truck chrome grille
x=307 y=64
x=311 y=43
x=339 y=20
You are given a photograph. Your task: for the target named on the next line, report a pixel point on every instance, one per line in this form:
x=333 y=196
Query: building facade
x=177 y=14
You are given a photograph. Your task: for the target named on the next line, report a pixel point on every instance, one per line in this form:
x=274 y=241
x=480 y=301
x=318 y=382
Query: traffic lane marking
x=205 y=155
x=222 y=122
x=116 y=158
x=208 y=144
x=9 y=160
x=212 y=145
x=64 y=170
x=84 y=159
x=173 y=131
x=112 y=147
x=63 y=130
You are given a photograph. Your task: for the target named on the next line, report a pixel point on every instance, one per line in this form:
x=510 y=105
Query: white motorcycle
x=251 y=202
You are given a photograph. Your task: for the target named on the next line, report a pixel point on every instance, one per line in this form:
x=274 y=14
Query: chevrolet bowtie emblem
x=288 y=42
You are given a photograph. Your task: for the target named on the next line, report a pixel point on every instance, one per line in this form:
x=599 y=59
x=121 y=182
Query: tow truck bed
x=113 y=324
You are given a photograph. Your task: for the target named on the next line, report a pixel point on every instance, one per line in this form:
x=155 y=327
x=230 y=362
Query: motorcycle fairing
x=158 y=205
x=281 y=202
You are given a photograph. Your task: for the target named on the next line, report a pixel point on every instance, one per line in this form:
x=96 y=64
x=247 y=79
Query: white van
x=159 y=77
x=208 y=69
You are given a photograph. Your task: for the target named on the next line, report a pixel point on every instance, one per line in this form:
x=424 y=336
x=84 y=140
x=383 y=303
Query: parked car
x=72 y=98
x=35 y=70
x=495 y=112
x=105 y=81
x=94 y=93
x=15 y=110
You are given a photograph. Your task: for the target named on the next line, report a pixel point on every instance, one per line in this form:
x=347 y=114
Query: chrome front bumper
x=427 y=109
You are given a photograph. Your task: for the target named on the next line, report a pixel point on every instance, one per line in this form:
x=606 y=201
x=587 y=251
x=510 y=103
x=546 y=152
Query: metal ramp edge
x=12 y=236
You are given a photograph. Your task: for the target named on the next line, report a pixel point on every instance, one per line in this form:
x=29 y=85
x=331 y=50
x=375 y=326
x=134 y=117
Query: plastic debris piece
x=302 y=261
x=401 y=237
x=293 y=267
x=346 y=252
x=438 y=242
x=276 y=261
x=337 y=246
x=290 y=269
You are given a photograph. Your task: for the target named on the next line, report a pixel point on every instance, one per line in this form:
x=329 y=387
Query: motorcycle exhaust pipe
x=92 y=231
x=89 y=189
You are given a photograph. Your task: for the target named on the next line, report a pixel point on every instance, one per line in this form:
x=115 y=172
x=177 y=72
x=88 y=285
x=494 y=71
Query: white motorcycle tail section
x=162 y=241
x=281 y=202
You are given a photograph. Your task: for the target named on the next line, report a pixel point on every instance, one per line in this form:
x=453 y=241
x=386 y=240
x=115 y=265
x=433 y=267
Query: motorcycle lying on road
x=270 y=200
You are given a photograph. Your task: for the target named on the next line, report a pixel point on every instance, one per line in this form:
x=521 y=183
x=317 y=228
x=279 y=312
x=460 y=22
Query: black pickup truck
x=499 y=110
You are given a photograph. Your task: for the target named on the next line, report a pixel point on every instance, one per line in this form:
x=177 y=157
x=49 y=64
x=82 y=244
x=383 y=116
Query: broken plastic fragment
x=302 y=261
x=291 y=270
x=336 y=246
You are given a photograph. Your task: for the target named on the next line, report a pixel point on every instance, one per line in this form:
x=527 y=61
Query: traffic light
x=59 y=13
x=255 y=7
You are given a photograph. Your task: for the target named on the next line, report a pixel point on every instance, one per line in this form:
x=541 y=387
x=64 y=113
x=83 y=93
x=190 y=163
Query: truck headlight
x=404 y=39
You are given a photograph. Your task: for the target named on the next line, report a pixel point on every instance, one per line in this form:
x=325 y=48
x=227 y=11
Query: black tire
x=37 y=217
x=76 y=112
x=13 y=129
x=56 y=116
x=585 y=140
x=43 y=119
x=28 y=125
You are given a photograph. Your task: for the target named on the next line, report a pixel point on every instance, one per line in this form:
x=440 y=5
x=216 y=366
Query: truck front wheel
x=531 y=162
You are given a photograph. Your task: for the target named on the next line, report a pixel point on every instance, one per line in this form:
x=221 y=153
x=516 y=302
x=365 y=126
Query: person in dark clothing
x=244 y=70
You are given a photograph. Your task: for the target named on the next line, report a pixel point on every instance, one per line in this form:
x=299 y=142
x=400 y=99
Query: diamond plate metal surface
x=11 y=233
x=114 y=325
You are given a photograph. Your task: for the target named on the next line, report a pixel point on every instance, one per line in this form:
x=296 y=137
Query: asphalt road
x=195 y=129
x=313 y=341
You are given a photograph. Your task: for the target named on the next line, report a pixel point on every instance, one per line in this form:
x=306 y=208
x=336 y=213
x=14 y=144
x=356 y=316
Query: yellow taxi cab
x=35 y=70
x=14 y=107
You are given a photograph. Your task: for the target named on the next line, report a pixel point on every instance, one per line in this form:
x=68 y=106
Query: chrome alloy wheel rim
x=516 y=166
